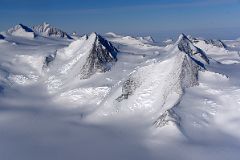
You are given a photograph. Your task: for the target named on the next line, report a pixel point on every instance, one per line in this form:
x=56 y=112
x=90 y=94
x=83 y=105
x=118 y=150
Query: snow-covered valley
x=117 y=97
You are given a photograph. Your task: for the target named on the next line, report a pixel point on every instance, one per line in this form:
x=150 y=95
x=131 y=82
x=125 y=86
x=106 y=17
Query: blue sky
x=200 y=17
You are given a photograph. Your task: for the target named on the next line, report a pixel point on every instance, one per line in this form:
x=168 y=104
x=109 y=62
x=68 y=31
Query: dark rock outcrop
x=2 y=37
x=48 y=59
x=186 y=46
x=101 y=57
x=216 y=43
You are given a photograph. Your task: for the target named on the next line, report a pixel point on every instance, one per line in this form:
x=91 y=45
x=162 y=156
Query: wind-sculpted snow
x=21 y=30
x=47 y=30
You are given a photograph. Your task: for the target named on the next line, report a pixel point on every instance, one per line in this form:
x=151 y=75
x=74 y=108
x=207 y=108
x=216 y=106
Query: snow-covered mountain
x=120 y=95
x=81 y=59
x=47 y=30
x=21 y=30
x=157 y=89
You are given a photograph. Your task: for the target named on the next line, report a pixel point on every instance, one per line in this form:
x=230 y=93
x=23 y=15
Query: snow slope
x=118 y=98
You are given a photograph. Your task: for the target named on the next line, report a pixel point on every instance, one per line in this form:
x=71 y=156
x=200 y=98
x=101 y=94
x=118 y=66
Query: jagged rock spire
x=186 y=46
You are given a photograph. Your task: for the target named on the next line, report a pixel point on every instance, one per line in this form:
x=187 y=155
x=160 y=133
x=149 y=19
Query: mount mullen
x=47 y=30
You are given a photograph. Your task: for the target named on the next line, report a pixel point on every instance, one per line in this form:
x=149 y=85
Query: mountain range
x=114 y=96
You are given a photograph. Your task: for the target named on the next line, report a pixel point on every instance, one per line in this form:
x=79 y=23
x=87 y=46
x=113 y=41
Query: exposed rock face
x=2 y=37
x=128 y=88
x=47 y=30
x=22 y=31
x=186 y=46
x=100 y=58
x=49 y=59
x=213 y=42
x=168 y=117
x=82 y=58
x=217 y=43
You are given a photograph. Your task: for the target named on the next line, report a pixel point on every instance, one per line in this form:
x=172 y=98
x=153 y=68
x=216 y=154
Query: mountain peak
x=85 y=57
x=101 y=56
x=21 y=31
x=182 y=36
x=45 y=29
x=186 y=46
x=20 y=26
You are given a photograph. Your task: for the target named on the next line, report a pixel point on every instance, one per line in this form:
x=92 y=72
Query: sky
x=217 y=18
